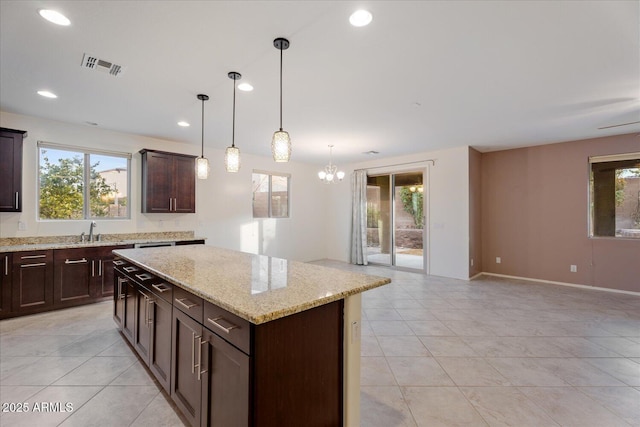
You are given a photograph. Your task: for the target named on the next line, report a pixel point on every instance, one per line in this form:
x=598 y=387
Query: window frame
x=86 y=152
x=270 y=194
x=591 y=214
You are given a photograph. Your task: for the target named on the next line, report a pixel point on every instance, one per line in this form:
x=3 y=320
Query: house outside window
x=270 y=194
x=614 y=192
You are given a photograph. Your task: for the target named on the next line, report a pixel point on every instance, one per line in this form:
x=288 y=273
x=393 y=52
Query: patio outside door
x=396 y=220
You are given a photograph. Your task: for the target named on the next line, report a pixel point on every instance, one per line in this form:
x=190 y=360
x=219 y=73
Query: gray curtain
x=359 y=217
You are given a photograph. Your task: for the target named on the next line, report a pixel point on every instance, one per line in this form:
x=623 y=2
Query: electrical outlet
x=498 y=260
x=573 y=268
x=471 y=262
x=355 y=332
x=22 y=225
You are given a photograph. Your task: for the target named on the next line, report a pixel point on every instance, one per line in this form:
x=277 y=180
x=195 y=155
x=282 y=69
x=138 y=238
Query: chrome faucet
x=91 y=227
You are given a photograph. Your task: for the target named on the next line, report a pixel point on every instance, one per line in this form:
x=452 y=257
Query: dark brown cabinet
x=32 y=282
x=5 y=284
x=11 y=169
x=72 y=284
x=168 y=182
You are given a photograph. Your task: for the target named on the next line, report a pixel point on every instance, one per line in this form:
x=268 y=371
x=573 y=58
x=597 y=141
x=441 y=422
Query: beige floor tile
x=447 y=347
x=384 y=407
x=381 y=314
x=376 y=371
x=467 y=371
x=625 y=370
x=440 y=406
x=136 y=374
x=98 y=371
x=160 y=412
x=623 y=346
x=521 y=371
x=506 y=406
x=623 y=401
x=17 y=393
x=582 y=347
x=415 y=314
x=418 y=371
x=390 y=327
x=44 y=371
x=402 y=346
x=429 y=328
x=578 y=372
x=369 y=346
x=570 y=407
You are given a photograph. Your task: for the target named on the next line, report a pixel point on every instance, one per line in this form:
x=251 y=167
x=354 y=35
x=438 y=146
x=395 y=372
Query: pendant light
x=202 y=164
x=330 y=172
x=232 y=154
x=281 y=143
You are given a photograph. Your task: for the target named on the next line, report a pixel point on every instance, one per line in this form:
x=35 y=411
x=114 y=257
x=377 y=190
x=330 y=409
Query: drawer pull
x=218 y=325
x=144 y=276
x=161 y=287
x=130 y=269
x=33 y=256
x=181 y=301
x=38 y=264
x=118 y=262
x=75 y=261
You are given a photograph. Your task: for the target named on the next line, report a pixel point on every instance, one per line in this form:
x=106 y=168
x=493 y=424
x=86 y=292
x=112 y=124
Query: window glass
x=615 y=196
x=81 y=185
x=270 y=195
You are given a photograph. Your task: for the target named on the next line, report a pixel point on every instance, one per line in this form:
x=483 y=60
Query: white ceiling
x=423 y=76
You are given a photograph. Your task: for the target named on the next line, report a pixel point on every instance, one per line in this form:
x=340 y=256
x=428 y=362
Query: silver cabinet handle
x=120 y=282
x=193 y=352
x=187 y=306
x=170 y=204
x=17 y=200
x=38 y=264
x=218 y=325
x=200 y=371
x=160 y=289
x=93 y=270
x=75 y=261
x=130 y=269
x=150 y=302
x=144 y=276
x=118 y=262
x=32 y=256
x=6 y=265
x=175 y=204
x=100 y=268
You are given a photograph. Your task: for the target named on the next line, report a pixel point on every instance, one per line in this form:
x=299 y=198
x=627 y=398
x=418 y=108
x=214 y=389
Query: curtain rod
x=398 y=164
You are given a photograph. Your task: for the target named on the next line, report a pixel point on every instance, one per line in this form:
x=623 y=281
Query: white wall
x=223 y=202
x=448 y=214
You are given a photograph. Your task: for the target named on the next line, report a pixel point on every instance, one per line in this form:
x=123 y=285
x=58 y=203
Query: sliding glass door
x=396 y=220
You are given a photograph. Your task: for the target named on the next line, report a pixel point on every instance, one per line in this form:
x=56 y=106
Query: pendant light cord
x=281 y=89
x=233 y=128
x=202 y=137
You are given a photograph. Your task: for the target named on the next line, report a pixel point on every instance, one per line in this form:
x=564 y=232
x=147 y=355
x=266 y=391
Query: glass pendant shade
x=281 y=146
x=232 y=159
x=330 y=172
x=202 y=168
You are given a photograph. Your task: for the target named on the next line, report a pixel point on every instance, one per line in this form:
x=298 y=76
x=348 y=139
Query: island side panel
x=298 y=369
x=352 y=345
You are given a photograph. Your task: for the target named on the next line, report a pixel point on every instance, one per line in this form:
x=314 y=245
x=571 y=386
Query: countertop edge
x=257 y=320
x=47 y=246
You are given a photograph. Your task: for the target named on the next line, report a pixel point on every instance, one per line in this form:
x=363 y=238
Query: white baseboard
x=552 y=282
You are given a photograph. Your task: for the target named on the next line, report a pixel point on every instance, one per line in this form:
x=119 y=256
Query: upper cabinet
x=168 y=182
x=11 y=169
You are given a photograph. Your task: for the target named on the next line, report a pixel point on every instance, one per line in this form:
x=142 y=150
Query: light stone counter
x=257 y=288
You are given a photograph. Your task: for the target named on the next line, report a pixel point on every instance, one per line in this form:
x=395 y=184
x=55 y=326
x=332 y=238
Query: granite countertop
x=38 y=243
x=257 y=288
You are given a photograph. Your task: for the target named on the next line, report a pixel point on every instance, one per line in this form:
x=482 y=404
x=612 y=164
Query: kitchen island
x=243 y=339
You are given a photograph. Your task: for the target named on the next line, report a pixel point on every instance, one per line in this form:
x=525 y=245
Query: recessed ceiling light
x=55 y=17
x=245 y=87
x=184 y=124
x=360 y=18
x=47 y=94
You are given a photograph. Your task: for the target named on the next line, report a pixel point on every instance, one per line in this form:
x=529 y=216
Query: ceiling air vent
x=94 y=63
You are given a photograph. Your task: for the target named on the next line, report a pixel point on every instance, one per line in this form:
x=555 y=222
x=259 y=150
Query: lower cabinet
x=32 y=282
x=5 y=284
x=72 y=284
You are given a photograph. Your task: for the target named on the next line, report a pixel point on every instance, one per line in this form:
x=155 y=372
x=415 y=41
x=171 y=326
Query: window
x=615 y=196
x=75 y=183
x=270 y=195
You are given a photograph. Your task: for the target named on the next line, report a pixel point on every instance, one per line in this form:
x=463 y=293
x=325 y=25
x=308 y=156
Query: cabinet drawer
x=188 y=303
x=230 y=327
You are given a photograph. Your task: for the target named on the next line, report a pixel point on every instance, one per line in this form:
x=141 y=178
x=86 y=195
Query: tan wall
x=475 y=212
x=534 y=216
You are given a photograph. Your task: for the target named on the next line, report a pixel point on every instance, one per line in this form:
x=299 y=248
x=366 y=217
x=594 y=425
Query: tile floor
x=435 y=352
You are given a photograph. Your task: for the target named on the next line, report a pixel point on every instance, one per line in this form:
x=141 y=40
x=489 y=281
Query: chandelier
x=330 y=172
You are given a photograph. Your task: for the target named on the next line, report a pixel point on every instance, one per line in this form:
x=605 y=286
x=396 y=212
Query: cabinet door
x=225 y=386
x=184 y=190
x=186 y=389
x=119 y=298
x=5 y=285
x=32 y=281
x=142 y=336
x=129 y=318
x=160 y=351
x=157 y=182
x=72 y=284
x=11 y=170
